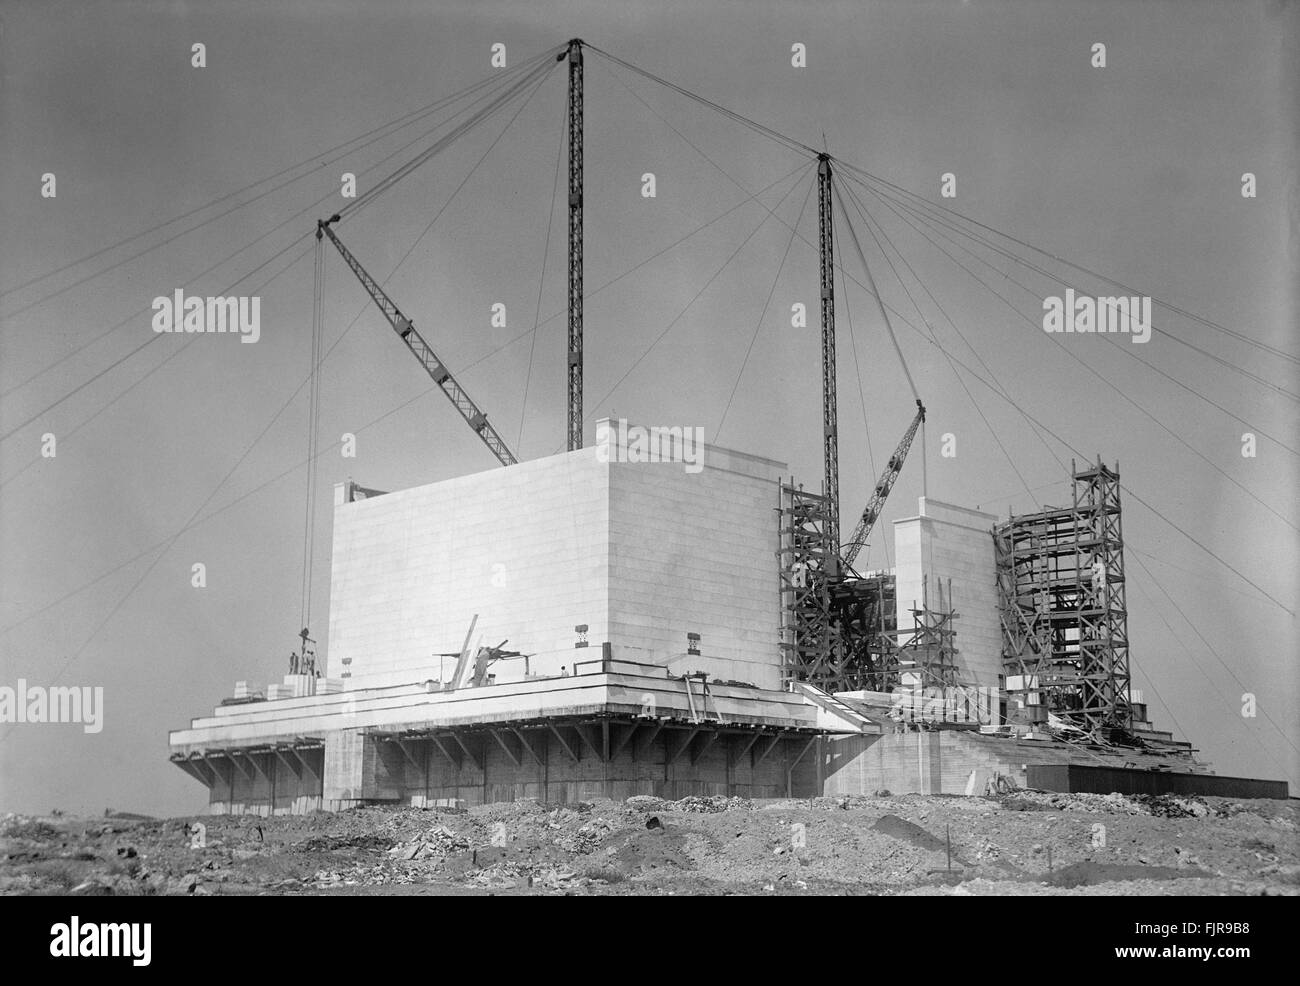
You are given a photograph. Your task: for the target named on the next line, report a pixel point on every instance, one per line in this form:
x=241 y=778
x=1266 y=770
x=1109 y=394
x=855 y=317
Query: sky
x=174 y=455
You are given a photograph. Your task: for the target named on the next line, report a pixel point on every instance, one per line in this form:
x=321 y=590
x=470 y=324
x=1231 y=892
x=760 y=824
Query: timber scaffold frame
x=1062 y=603
x=836 y=628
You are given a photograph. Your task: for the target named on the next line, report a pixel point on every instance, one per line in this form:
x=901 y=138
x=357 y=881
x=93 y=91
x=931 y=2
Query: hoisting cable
x=1110 y=384
x=313 y=418
x=780 y=138
x=867 y=221
x=1241 y=336
x=889 y=327
x=767 y=303
x=541 y=279
x=513 y=90
x=857 y=371
x=875 y=293
x=316 y=161
x=154 y=338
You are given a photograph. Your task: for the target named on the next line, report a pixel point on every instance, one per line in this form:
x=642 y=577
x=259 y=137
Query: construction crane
x=849 y=551
x=434 y=366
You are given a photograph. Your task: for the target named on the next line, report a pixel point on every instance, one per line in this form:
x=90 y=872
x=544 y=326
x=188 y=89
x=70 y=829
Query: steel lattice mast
x=830 y=414
x=575 y=245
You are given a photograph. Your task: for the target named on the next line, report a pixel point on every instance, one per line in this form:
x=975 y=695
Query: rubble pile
x=1158 y=806
x=1021 y=842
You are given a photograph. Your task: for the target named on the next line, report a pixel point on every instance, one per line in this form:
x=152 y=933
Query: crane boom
x=436 y=369
x=884 y=484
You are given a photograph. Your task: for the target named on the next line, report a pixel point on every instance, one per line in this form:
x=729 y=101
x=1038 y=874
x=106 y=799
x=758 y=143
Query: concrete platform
x=606 y=733
x=962 y=761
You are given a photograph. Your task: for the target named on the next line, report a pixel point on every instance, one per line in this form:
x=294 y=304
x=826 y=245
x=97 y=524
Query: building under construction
x=644 y=628
x=661 y=632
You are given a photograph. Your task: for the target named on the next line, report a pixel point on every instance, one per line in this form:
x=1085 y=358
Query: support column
x=575 y=246
x=830 y=413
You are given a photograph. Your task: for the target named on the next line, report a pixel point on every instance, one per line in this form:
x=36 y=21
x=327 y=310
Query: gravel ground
x=1026 y=843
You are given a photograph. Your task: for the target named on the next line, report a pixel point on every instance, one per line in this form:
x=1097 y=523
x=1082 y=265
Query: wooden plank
x=514 y=757
x=410 y=758
x=573 y=754
x=523 y=742
x=193 y=770
x=454 y=760
x=690 y=737
x=760 y=756
x=234 y=763
x=254 y=759
x=229 y=781
x=738 y=750
x=306 y=767
x=211 y=767
x=628 y=732
x=703 y=744
x=646 y=740
x=587 y=733
x=291 y=764
x=468 y=752
x=802 y=750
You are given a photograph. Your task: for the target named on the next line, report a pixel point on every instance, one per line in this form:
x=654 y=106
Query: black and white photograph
x=562 y=448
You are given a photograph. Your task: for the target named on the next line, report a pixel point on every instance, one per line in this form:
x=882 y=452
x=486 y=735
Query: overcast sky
x=1133 y=170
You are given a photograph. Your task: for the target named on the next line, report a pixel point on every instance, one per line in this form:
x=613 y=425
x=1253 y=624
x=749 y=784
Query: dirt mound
x=1032 y=842
x=645 y=852
x=1088 y=874
x=898 y=828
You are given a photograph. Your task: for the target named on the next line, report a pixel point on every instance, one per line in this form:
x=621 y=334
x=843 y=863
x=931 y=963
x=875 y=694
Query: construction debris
x=1028 y=842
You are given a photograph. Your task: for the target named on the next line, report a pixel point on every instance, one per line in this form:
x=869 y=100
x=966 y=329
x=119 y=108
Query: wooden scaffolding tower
x=1061 y=594
x=835 y=625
